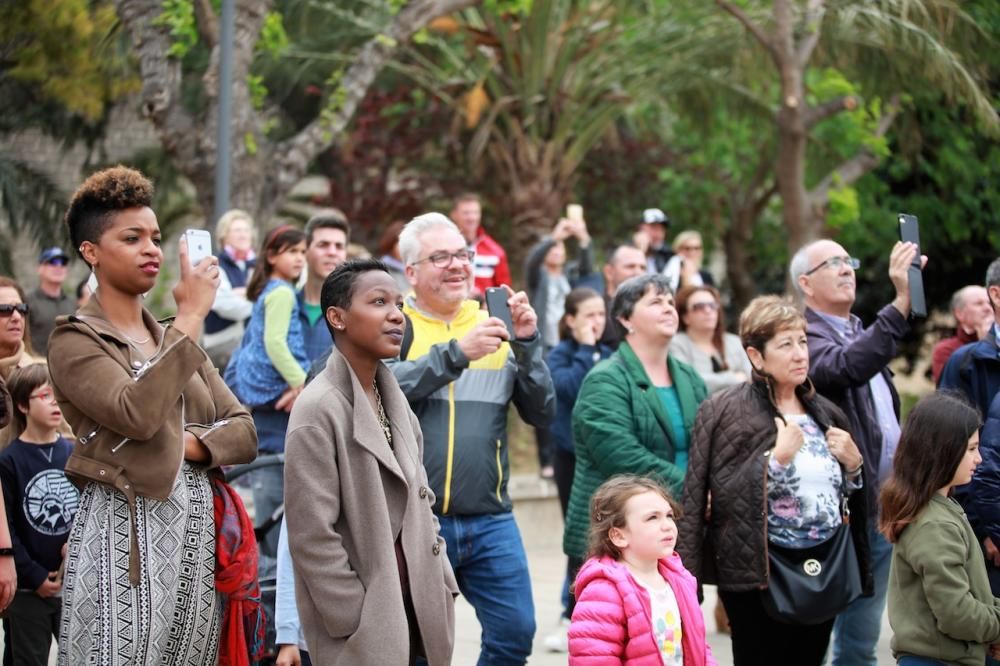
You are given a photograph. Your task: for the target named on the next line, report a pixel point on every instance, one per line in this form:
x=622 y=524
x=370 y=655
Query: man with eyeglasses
x=48 y=300
x=848 y=364
x=460 y=369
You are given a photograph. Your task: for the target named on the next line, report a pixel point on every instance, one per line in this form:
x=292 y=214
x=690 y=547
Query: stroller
x=238 y=476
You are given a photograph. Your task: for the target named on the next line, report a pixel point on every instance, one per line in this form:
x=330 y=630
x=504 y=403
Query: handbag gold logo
x=812 y=567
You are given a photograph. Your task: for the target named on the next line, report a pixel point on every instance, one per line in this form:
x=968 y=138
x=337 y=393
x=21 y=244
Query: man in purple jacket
x=847 y=364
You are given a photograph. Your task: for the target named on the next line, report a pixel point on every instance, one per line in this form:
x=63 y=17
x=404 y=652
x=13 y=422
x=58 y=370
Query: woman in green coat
x=635 y=409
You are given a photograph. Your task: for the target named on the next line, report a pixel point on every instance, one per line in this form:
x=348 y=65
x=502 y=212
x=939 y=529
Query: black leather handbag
x=811 y=585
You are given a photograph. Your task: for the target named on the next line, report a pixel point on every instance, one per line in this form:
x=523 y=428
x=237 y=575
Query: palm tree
x=890 y=47
x=33 y=207
x=538 y=91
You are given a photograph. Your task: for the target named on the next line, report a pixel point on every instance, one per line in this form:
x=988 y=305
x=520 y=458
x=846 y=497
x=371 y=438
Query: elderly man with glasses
x=460 y=368
x=847 y=364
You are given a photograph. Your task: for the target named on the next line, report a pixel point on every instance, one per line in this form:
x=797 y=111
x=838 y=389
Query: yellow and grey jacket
x=462 y=407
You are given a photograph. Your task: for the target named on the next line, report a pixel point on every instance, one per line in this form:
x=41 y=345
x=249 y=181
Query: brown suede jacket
x=731 y=445
x=130 y=413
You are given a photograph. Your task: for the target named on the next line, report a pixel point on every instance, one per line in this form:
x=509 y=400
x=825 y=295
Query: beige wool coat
x=348 y=496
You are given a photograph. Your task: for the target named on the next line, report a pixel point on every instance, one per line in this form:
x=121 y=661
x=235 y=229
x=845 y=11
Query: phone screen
x=496 y=304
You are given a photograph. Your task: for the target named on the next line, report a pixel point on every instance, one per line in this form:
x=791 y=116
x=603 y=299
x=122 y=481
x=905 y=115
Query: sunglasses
x=707 y=306
x=7 y=309
x=57 y=261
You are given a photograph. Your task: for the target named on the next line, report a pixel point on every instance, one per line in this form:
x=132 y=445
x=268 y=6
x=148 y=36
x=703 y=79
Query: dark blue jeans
x=491 y=568
x=918 y=661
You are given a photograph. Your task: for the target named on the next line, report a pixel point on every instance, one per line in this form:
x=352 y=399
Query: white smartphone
x=574 y=212
x=199 y=245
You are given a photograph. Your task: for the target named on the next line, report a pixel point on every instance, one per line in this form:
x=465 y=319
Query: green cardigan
x=620 y=426
x=940 y=604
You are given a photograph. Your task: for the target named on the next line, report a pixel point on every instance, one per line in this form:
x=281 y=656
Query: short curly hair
x=103 y=193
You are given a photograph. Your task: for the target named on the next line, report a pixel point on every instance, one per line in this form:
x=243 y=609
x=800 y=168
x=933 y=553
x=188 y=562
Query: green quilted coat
x=620 y=426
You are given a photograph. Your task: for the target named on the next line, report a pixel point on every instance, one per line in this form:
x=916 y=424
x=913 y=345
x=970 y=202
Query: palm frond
x=33 y=206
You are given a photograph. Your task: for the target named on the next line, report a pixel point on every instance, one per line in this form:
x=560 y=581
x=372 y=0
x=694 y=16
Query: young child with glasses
x=40 y=503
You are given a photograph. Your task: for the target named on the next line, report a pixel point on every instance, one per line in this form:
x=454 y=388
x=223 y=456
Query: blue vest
x=237 y=278
x=316 y=337
x=257 y=382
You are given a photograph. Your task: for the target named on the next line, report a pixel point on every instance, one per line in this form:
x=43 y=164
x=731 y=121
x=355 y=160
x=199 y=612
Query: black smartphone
x=496 y=304
x=909 y=232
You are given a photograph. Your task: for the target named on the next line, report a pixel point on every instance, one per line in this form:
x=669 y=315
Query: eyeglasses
x=57 y=261
x=45 y=396
x=707 y=306
x=7 y=309
x=444 y=259
x=835 y=263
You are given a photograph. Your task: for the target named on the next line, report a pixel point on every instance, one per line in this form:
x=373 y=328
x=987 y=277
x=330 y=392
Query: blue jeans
x=910 y=660
x=856 y=629
x=268 y=486
x=491 y=568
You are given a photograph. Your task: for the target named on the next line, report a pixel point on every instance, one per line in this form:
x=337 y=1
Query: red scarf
x=236 y=578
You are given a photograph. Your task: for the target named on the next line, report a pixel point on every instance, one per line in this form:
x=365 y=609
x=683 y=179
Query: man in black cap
x=652 y=239
x=48 y=300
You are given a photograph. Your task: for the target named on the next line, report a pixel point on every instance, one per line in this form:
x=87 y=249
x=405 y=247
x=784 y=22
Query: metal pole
x=224 y=138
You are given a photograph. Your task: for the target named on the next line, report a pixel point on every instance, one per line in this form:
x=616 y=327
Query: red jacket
x=612 y=621
x=490 y=268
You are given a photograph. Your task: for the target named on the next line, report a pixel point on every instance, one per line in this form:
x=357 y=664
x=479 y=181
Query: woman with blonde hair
x=236 y=234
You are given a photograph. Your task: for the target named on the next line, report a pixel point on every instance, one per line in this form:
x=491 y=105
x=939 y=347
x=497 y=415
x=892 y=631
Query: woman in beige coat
x=372 y=579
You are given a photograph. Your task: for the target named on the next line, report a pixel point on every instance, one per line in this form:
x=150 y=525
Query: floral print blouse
x=804 y=496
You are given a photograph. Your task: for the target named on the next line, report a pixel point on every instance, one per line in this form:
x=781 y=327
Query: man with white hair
x=973 y=321
x=460 y=369
x=847 y=364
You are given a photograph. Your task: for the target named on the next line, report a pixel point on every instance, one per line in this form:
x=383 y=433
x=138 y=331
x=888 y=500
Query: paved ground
x=541 y=528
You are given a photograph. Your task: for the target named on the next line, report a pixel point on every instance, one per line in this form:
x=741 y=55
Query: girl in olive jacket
x=940 y=604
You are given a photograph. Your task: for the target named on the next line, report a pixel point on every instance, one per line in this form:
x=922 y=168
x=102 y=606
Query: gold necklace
x=383 y=420
x=137 y=342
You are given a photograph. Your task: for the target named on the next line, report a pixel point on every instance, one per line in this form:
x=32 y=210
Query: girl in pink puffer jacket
x=636 y=604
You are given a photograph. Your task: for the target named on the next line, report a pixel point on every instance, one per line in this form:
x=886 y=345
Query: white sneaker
x=558 y=641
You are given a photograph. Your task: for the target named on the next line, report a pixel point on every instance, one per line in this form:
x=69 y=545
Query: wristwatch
x=6 y=552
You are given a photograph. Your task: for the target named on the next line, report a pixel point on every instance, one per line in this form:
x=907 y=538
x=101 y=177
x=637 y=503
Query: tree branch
x=755 y=30
x=161 y=79
x=246 y=33
x=817 y=114
x=208 y=22
x=294 y=156
x=814 y=17
x=851 y=169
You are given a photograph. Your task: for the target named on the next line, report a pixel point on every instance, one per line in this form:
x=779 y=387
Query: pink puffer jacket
x=612 y=622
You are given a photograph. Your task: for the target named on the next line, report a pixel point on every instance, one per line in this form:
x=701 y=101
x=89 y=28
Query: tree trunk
x=533 y=208
x=263 y=172
x=739 y=268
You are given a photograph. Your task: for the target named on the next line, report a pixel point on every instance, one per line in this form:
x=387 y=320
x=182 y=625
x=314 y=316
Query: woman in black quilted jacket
x=771 y=463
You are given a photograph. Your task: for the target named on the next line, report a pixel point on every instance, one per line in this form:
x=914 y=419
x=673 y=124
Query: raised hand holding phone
x=496 y=304
x=909 y=232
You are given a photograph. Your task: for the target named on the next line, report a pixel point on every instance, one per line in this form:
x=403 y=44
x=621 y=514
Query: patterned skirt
x=174 y=615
